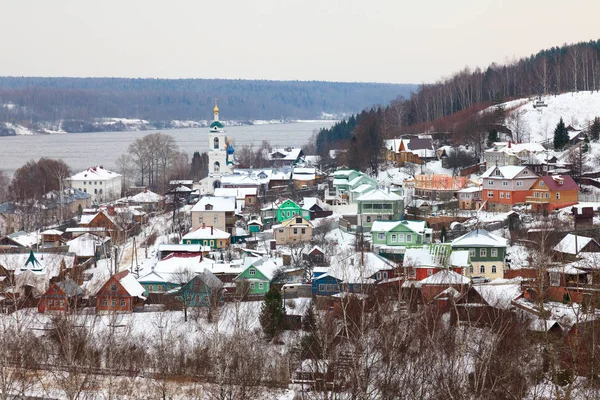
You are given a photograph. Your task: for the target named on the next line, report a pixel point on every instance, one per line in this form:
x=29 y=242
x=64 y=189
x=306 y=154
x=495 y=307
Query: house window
x=252 y=285
x=385 y=275
x=412 y=273
x=482 y=269
x=151 y=288
x=493 y=269
x=299 y=220
x=105 y=302
x=494 y=252
x=472 y=252
x=252 y=271
x=303 y=231
x=498 y=172
x=113 y=287
x=122 y=302
x=542 y=183
x=200 y=220
x=217 y=166
x=188 y=242
x=216 y=220
x=220 y=243
x=536 y=195
x=212 y=243
x=159 y=288
x=62 y=303
x=95 y=191
x=491 y=183
x=482 y=252
x=401 y=237
x=547 y=195
x=381 y=236
x=471 y=269
x=261 y=285
x=321 y=287
x=288 y=214
x=504 y=183
x=329 y=287
x=368 y=218
x=490 y=194
x=507 y=195
x=295 y=231
x=429 y=272
x=519 y=183
x=408 y=238
x=394 y=237
x=336 y=288
x=501 y=195
x=113 y=302
x=379 y=276
x=50 y=303
x=557 y=196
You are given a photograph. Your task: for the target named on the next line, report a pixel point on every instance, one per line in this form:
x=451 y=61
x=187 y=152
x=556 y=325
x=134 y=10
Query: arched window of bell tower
x=216 y=143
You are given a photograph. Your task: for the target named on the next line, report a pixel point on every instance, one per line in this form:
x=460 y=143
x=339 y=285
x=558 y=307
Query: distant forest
x=31 y=100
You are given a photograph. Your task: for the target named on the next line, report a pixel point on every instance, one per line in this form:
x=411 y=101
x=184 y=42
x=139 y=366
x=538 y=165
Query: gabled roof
x=479 y=238
x=207 y=232
x=386 y=226
x=506 y=172
x=221 y=204
x=356 y=268
x=446 y=277
x=129 y=283
x=573 y=244
x=98 y=173
x=265 y=265
x=289 y=154
x=379 y=195
x=499 y=295
x=70 y=287
x=146 y=197
x=553 y=182
x=292 y=222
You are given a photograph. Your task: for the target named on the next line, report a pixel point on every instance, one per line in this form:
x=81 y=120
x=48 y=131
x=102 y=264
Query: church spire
x=216 y=110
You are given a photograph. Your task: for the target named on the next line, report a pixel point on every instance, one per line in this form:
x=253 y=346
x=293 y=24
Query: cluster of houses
x=308 y=233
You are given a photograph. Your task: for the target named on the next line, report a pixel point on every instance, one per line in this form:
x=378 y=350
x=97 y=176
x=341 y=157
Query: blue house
x=203 y=290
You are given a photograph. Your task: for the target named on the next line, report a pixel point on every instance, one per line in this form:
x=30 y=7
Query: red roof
x=552 y=182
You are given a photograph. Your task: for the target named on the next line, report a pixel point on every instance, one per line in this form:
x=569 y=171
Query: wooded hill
x=453 y=104
x=51 y=99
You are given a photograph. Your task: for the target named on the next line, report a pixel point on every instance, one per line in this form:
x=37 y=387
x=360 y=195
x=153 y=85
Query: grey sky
x=338 y=40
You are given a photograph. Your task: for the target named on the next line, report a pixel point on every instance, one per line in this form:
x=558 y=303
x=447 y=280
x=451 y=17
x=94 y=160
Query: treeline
x=452 y=105
x=52 y=99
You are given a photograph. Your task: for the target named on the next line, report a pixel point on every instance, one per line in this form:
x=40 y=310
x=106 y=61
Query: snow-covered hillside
x=575 y=108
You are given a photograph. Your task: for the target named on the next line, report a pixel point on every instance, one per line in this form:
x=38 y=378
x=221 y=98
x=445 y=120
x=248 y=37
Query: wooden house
x=294 y=230
x=553 y=192
x=203 y=290
x=120 y=294
x=61 y=296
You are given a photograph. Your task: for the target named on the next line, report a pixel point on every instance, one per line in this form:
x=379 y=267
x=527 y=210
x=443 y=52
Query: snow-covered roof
x=222 y=204
x=479 y=238
x=54 y=232
x=265 y=265
x=85 y=245
x=351 y=268
x=131 y=285
x=506 y=171
x=238 y=193
x=386 y=226
x=207 y=232
x=309 y=202
x=146 y=197
x=289 y=154
x=98 y=173
x=499 y=295
x=472 y=189
x=379 y=195
x=568 y=244
x=459 y=258
x=568 y=270
x=446 y=277
x=25 y=239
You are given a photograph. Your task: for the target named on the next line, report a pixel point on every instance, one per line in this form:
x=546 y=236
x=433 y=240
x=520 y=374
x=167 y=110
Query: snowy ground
x=575 y=109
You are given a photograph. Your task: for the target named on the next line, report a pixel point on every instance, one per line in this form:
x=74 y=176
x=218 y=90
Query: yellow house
x=294 y=230
x=549 y=193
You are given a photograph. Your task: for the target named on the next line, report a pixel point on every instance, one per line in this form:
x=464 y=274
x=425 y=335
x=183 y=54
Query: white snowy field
x=575 y=108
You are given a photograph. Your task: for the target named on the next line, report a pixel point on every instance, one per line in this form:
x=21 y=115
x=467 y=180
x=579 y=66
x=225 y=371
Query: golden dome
x=216 y=109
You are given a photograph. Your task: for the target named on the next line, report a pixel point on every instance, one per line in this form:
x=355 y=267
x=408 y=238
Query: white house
x=101 y=184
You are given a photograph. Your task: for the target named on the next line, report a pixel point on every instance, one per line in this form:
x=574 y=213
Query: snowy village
x=279 y=276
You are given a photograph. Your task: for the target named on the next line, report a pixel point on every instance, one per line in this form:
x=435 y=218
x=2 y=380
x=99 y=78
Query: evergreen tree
x=492 y=137
x=272 y=314
x=561 y=135
x=595 y=129
x=309 y=345
x=199 y=167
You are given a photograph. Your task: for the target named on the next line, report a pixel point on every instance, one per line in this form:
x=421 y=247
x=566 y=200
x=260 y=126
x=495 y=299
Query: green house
x=487 y=253
x=257 y=275
x=349 y=184
x=289 y=209
x=157 y=283
x=379 y=205
x=207 y=236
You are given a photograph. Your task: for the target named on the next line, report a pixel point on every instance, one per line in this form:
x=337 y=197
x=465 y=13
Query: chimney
x=203 y=225
x=211 y=230
x=509 y=142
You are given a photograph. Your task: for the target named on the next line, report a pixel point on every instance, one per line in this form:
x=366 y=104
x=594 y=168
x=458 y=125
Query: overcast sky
x=334 y=40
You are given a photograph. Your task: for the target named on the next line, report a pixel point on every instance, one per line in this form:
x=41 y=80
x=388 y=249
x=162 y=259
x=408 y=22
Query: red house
x=121 y=293
x=61 y=296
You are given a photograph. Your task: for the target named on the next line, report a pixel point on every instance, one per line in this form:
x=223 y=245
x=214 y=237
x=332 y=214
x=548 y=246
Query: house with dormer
x=286 y=156
x=487 y=253
x=506 y=186
x=294 y=230
x=417 y=150
x=257 y=274
x=347 y=185
x=121 y=293
x=208 y=236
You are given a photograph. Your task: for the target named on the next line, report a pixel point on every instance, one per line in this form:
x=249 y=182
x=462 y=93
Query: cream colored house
x=218 y=212
x=294 y=230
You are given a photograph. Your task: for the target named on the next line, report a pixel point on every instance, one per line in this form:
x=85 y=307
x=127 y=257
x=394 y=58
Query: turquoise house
x=257 y=274
x=289 y=209
x=157 y=284
x=202 y=290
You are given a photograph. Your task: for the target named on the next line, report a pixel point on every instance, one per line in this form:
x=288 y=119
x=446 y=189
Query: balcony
x=536 y=200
